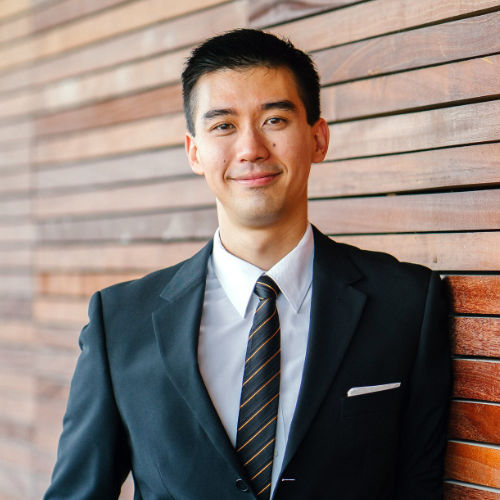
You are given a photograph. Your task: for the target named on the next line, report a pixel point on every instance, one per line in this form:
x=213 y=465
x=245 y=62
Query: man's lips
x=256 y=178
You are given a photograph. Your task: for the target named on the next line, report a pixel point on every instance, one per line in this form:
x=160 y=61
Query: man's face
x=254 y=146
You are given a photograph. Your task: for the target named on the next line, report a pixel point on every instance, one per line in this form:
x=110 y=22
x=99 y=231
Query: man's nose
x=251 y=146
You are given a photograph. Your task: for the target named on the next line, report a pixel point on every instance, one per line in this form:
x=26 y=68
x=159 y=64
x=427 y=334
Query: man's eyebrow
x=284 y=104
x=214 y=113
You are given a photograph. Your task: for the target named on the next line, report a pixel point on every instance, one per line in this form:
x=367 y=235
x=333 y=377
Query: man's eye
x=223 y=127
x=275 y=121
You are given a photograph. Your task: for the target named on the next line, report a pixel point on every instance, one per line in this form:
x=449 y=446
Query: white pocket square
x=367 y=389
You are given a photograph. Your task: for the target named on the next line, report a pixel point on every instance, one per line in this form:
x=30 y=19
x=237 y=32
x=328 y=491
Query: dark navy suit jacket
x=138 y=401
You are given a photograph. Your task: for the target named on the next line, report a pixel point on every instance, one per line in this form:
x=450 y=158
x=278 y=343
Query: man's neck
x=262 y=246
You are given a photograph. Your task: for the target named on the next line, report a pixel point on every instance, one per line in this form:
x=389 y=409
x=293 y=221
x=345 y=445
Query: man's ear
x=321 y=140
x=192 y=154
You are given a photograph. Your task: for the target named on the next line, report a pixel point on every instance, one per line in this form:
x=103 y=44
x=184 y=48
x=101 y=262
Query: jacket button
x=241 y=485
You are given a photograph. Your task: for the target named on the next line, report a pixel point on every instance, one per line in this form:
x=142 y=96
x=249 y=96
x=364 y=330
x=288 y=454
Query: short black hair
x=245 y=48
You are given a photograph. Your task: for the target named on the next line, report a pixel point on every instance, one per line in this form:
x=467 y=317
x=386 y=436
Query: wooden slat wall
x=95 y=188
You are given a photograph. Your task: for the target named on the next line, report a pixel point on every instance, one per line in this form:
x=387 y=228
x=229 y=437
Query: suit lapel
x=336 y=308
x=176 y=324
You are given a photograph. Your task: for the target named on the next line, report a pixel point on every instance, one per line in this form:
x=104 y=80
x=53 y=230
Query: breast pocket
x=377 y=402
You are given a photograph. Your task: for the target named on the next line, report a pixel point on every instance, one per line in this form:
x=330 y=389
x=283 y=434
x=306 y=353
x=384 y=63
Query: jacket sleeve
x=424 y=422
x=93 y=456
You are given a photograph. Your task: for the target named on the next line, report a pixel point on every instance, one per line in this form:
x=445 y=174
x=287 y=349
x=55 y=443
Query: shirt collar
x=293 y=273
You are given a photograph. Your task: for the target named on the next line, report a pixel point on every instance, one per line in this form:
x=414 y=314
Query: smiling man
x=275 y=363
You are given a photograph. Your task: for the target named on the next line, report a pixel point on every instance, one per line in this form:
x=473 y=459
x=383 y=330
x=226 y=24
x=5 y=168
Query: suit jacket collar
x=336 y=308
x=335 y=311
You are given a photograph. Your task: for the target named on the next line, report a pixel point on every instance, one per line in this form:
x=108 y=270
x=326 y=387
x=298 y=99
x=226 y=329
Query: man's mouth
x=256 y=178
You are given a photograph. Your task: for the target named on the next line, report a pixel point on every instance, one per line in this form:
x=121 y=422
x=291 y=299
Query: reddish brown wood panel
x=68 y=10
x=463 y=492
x=193 y=224
x=113 y=257
x=454 y=126
x=475 y=422
x=103 y=25
x=144 y=105
x=268 y=12
x=476 y=336
x=406 y=213
x=442 y=168
x=436 y=250
x=343 y=26
x=475 y=294
x=474 y=464
x=155 y=39
x=145 y=166
x=183 y=193
x=441 y=43
x=413 y=89
x=477 y=380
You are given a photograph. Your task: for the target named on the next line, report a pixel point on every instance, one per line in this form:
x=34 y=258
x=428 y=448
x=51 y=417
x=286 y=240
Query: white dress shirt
x=228 y=310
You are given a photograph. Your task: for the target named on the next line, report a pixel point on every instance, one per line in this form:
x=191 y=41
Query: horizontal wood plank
x=14 y=182
x=430 y=45
x=436 y=250
x=155 y=39
x=103 y=25
x=436 y=128
x=79 y=285
x=474 y=422
x=60 y=311
x=406 y=213
x=144 y=105
x=343 y=26
x=194 y=224
x=413 y=89
x=119 y=139
x=266 y=12
x=476 y=336
x=15 y=258
x=113 y=257
x=143 y=166
x=475 y=294
x=13 y=7
x=17 y=333
x=442 y=168
x=477 y=380
x=21 y=232
x=472 y=463
x=182 y=193
x=463 y=492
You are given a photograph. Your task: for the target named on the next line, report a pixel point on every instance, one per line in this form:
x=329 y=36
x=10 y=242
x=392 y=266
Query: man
x=343 y=395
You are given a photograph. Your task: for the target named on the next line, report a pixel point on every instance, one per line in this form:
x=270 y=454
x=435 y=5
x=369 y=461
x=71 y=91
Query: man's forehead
x=258 y=84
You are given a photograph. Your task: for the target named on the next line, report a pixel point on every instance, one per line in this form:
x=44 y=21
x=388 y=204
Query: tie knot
x=266 y=288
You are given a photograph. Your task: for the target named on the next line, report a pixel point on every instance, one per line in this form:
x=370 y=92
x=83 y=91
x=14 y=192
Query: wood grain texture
x=442 y=168
x=476 y=336
x=113 y=257
x=190 y=224
x=436 y=128
x=158 y=38
x=471 y=463
x=15 y=182
x=474 y=422
x=79 y=285
x=477 y=380
x=103 y=25
x=436 y=250
x=437 y=44
x=475 y=294
x=183 y=193
x=413 y=89
x=144 y=105
x=343 y=26
x=267 y=12
x=13 y=7
x=118 y=139
x=140 y=167
x=462 y=492
x=15 y=257
x=68 y=10
x=60 y=311
x=405 y=213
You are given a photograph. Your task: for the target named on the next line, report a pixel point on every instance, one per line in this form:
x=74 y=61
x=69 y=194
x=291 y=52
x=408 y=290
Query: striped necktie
x=260 y=391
